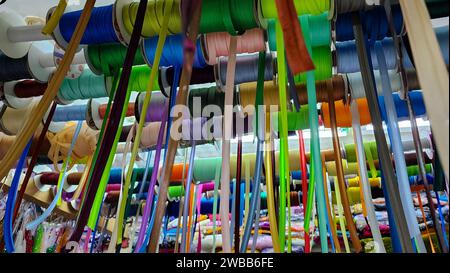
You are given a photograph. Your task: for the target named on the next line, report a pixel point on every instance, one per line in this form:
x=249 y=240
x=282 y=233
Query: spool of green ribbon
x=320 y=30
x=139 y=79
x=350 y=151
x=107 y=59
x=296 y=120
x=269 y=8
x=232 y=16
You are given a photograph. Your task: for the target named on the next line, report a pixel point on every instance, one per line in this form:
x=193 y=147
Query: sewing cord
x=284 y=169
x=387 y=170
x=33 y=161
x=315 y=148
x=108 y=139
x=57 y=199
x=364 y=179
x=189 y=51
x=7 y=222
x=340 y=174
x=397 y=148
x=32 y=123
x=187 y=197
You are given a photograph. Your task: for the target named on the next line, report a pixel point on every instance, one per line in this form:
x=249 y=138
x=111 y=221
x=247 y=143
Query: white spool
x=75 y=204
x=39 y=72
x=37 y=178
x=78 y=62
x=10 y=97
x=66 y=187
x=93 y=117
x=10 y=20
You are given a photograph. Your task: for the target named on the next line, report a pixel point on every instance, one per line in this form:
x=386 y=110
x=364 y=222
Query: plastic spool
x=54 y=127
x=37 y=49
x=57 y=36
x=11 y=120
x=75 y=204
x=163 y=82
x=92 y=116
x=37 y=178
x=9 y=97
x=69 y=188
x=11 y=24
x=119 y=26
x=156 y=107
x=78 y=62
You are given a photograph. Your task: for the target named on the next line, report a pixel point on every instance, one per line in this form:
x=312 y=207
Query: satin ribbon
x=340 y=175
x=57 y=199
x=365 y=184
x=192 y=15
x=397 y=148
x=387 y=170
x=227 y=128
x=7 y=223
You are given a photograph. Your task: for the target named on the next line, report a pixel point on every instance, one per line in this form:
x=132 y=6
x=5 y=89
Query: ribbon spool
x=246 y=69
x=232 y=16
x=356 y=86
x=28 y=67
x=436 y=8
x=199 y=76
x=139 y=79
x=216 y=44
x=320 y=31
x=374 y=23
x=269 y=9
x=88 y=85
x=247 y=92
x=158 y=104
x=350 y=151
x=107 y=59
x=15 y=35
x=172 y=54
x=41 y=170
x=125 y=15
x=346 y=53
x=296 y=120
x=207 y=97
x=11 y=120
x=100 y=28
x=8 y=95
x=344 y=117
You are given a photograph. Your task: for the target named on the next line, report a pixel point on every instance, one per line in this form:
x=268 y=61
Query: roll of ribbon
x=153 y=18
x=344 y=115
x=374 y=23
x=302 y=7
x=217 y=44
x=232 y=16
x=100 y=28
x=246 y=69
x=247 y=92
x=11 y=120
x=199 y=76
x=172 y=54
x=158 y=104
x=320 y=30
x=107 y=59
x=346 y=53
